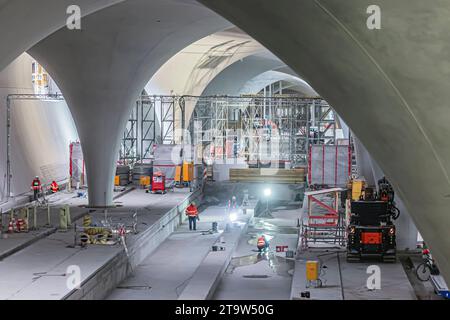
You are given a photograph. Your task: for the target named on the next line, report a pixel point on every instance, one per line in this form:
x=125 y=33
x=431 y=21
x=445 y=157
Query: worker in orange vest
x=36 y=187
x=192 y=213
x=54 y=188
x=262 y=243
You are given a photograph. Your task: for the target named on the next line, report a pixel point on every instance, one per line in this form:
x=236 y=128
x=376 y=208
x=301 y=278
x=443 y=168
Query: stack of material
x=167 y=158
x=268 y=175
x=124 y=175
x=141 y=170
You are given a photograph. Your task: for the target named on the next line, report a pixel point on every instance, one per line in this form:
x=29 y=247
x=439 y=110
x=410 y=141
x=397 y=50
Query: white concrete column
x=102 y=69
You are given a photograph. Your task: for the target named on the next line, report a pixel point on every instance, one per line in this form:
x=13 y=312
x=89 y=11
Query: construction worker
x=54 y=188
x=262 y=243
x=232 y=204
x=36 y=186
x=192 y=213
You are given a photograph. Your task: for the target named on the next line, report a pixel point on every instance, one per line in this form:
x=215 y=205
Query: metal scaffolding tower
x=128 y=148
x=262 y=130
x=167 y=112
x=148 y=127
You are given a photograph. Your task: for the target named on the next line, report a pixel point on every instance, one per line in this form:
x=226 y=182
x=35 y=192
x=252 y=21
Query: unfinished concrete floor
x=255 y=276
x=165 y=273
x=348 y=281
x=38 y=271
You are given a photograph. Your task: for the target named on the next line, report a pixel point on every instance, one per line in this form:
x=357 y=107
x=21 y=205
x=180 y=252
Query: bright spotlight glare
x=233 y=216
x=267 y=192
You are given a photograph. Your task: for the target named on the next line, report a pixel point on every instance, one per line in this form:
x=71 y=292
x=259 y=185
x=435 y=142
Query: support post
x=35 y=217
x=63 y=219
x=48 y=216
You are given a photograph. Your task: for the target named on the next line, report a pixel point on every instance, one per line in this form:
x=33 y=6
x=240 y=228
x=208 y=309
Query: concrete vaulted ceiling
x=102 y=69
x=23 y=23
x=375 y=80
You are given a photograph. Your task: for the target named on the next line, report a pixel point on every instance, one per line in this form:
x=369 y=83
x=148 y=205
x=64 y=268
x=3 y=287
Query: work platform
x=184 y=266
x=39 y=270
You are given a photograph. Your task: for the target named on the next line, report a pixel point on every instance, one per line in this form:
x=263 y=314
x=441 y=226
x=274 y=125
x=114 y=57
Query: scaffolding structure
x=262 y=129
x=128 y=149
x=152 y=121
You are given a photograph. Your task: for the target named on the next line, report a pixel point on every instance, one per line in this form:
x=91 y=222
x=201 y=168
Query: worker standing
x=192 y=213
x=36 y=186
x=262 y=243
x=54 y=187
x=232 y=204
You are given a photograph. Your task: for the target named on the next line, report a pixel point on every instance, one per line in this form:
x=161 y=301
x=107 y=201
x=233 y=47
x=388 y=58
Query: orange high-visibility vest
x=36 y=184
x=261 y=242
x=191 y=211
x=54 y=187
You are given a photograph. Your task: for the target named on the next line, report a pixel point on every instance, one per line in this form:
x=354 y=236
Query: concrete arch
x=201 y=62
x=25 y=23
x=375 y=80
x=102 y=69
x=241 y=72
x=259 y=82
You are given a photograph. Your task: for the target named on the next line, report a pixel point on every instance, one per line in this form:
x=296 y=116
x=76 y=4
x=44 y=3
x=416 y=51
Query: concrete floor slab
x=166 y=272
x=253 y=276
x=348 y=281
x=39 y=270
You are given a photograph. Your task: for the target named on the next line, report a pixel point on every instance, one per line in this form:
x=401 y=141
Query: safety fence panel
x=329 y=165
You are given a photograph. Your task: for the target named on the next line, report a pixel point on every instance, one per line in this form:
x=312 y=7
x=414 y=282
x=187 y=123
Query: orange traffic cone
x=10 y=227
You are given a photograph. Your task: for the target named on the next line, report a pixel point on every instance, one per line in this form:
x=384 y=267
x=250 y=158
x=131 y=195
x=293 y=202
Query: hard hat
x=37 y=177
x=193 y=203
x=234 y=198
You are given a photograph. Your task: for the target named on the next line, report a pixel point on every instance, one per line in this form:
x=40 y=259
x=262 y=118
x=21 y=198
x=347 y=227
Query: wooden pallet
x=268 y=175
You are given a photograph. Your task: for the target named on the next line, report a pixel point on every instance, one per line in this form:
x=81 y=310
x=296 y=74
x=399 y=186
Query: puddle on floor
x=279 y=265
x=270 y=228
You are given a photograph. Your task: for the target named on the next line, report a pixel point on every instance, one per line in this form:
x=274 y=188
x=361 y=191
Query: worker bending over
x=36 y=187
x=262 y=244
x=54 y=188
x=192 y=213
x=232 y=204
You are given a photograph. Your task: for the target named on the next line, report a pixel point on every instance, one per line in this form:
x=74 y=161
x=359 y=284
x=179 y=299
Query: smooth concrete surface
x=241 y=72
x=290 y=82
x=26 y=22
x=348 y=281
x=39 y=270
x=254 y=276
x=331 y=279
x=163 y=219
x=388 y=85
x=208 y=275
x=41 y=132
x=103 y=69
x=165 y=273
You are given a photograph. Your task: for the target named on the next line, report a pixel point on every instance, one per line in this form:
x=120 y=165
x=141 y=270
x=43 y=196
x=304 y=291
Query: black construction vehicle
x=371 y=231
